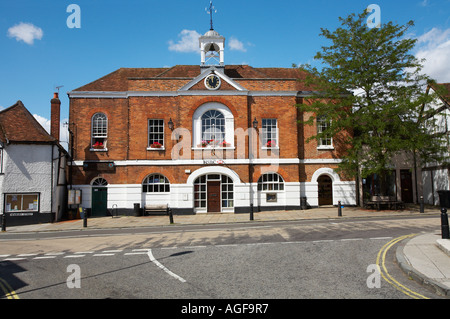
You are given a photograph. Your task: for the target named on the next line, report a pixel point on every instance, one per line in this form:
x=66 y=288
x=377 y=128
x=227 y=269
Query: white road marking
x=157 y=263
x=14 y=259
x=44 y=257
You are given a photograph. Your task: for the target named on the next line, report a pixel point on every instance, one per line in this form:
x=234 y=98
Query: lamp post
x=250 y=155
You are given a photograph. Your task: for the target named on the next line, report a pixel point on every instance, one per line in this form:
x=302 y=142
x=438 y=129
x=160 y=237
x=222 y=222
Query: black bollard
x=422 y=206
x=444 y=224
x=3 y=222
x=251 y=211
x=85 y=220
x=169 y=212
x=339 y=209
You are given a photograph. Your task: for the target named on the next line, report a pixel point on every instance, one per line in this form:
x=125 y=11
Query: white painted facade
x=33 y=169
x=181 y=196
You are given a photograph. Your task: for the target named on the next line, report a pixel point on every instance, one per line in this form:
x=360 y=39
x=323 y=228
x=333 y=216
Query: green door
x=99 y=201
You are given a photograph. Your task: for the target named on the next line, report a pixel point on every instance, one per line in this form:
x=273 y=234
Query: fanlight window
x=156 y=183
x=99 y=182
x=271 y=182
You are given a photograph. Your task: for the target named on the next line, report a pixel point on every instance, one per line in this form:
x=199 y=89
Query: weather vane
x=212 y=10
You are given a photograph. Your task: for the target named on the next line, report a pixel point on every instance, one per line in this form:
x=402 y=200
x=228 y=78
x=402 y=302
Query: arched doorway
x=213 y=193
x=99 y=204
x=325 y=185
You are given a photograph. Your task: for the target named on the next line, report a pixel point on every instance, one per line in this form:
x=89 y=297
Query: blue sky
x=45 y=52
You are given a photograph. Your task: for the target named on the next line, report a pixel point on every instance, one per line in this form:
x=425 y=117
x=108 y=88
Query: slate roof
x=18 y=125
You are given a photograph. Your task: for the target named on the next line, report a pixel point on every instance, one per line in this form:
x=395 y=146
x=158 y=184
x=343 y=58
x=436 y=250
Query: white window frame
x=325 y=143
x=197 y=125
x=99 y=131
x=271 y=183
x=160 y=126
x=269 y=130
x=162 y=182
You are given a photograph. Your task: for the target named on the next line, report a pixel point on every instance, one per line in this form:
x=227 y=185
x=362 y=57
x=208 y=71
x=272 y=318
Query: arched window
x=156 y=183
x=99 y=182
x=213 y=127
x=99 y=131
x=213 y=121
x=271 y=182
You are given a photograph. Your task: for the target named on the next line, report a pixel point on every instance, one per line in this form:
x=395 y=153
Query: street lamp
x=255 y=124
x=171 y=125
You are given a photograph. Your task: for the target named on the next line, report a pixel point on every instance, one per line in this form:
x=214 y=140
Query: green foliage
x=371 y=85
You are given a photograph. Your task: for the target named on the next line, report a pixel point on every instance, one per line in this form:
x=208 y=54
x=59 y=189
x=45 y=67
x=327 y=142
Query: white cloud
x=63 y=130
x=43 y=121
x=236 y=45
x=188 y=42
x=434 y=47
x=25 y=32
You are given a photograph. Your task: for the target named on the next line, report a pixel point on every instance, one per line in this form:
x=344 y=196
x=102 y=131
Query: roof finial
x=212 y=10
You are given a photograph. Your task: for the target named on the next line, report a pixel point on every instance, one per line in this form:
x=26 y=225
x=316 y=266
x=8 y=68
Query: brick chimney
x=55 y=116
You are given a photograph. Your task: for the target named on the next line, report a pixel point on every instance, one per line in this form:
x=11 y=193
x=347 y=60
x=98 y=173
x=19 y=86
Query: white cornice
x=258 y=161
x=127 y=94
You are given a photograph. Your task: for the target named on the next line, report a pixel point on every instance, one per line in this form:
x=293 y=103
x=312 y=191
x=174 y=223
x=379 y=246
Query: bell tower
x=212 y=44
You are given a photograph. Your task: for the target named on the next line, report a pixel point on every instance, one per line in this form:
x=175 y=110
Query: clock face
x=212 y=82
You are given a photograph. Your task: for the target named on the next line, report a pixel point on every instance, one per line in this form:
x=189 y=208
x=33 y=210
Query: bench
x=380 y=202
x=156 y=209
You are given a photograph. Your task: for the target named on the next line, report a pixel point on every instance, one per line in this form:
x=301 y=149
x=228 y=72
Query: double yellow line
x=9 y=292
x=381 y=259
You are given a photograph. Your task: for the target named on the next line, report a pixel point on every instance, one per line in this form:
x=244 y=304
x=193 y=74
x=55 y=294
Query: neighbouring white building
x=435 y=177
x=32 y=167
x=409 y=180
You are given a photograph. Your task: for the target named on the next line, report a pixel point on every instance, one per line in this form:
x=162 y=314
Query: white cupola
x=212 y=45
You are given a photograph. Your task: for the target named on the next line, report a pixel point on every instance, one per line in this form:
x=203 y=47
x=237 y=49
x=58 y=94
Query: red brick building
x=201 y=138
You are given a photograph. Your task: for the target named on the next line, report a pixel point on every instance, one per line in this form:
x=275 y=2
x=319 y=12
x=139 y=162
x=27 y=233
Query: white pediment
x=212 y=70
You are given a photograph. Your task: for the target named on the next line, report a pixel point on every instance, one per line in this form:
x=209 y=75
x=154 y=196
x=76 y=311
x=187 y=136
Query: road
x=256 y=261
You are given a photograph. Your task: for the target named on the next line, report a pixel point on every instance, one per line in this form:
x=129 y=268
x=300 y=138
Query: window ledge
x=270 y=148
x=156 y=148
x=99 y=150
x=325 y=147
x=213 y=148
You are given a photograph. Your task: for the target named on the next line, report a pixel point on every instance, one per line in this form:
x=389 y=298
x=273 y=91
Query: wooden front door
x=214 y=197
x=325 y=190
x=407 y=185
x=99 y=201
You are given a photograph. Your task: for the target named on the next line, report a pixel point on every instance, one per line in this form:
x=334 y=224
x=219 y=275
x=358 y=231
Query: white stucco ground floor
x=217 y=189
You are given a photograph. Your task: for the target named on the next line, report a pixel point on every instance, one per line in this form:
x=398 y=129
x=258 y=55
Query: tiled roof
x=117 y=80
x=444 y=91
x=17 y=125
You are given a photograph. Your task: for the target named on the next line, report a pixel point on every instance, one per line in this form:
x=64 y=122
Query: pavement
x=425 y=257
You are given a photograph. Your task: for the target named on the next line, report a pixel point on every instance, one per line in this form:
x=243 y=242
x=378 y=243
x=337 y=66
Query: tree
x=372 y=86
